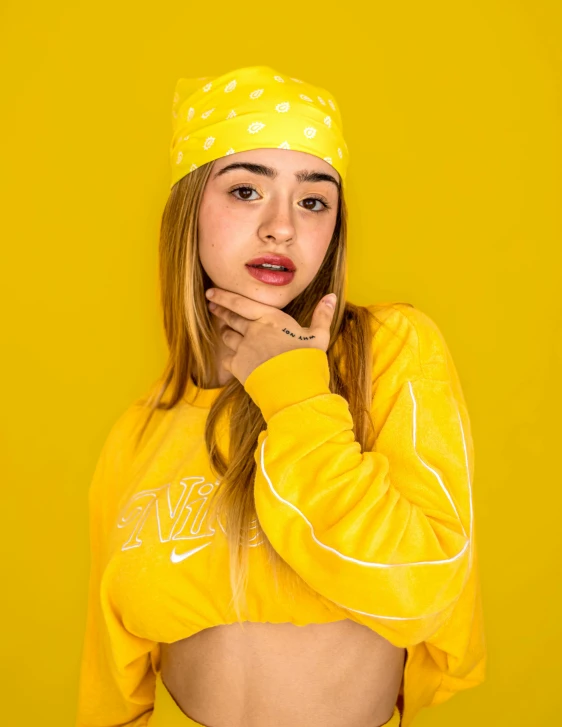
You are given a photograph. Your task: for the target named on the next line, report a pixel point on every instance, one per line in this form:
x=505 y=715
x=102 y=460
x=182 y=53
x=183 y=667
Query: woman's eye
x=245 y=198
x=243 y=189
x=323 y=205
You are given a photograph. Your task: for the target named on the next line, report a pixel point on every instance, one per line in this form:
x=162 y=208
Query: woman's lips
x=271 y=277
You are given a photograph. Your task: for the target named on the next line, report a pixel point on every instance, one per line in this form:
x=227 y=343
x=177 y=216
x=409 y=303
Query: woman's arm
x=117 y=684
x=387 y=533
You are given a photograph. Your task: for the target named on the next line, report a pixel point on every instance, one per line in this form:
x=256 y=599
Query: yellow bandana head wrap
x=253 y=108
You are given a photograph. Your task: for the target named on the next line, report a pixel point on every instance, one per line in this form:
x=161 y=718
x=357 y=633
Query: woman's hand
x=257 y=332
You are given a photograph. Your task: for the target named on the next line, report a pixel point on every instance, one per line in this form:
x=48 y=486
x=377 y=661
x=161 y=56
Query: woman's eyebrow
x=303 y=176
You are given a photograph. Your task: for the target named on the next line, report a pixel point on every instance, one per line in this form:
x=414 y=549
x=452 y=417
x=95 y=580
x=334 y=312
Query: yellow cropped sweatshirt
x=384 y=537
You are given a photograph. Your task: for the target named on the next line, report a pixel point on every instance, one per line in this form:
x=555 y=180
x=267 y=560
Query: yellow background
x=452 y=112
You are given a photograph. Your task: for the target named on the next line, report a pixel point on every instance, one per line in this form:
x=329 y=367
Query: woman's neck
x=220 y=375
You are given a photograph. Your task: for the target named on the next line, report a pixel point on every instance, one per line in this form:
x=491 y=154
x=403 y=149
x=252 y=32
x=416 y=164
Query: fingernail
x=209 y=293
x=330 y=300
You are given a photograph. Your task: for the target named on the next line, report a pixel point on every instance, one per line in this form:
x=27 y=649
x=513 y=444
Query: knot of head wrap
x=253 y=108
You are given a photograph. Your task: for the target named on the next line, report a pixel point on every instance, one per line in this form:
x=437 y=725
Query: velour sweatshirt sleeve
x=117 y=684
x=385 y=533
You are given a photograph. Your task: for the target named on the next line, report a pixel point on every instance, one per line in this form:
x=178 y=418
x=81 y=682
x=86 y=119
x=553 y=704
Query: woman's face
x=265 y=210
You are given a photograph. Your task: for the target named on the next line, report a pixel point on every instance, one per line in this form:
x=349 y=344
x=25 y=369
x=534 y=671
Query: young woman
x=282 y=531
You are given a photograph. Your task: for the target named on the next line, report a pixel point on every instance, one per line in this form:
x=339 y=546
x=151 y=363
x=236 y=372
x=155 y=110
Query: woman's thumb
x=330 y=302
x=324 y=312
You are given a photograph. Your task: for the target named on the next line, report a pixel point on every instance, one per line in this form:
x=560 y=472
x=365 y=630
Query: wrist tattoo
x=301 y=338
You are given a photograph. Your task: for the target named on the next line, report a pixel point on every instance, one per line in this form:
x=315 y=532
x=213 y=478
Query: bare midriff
x=338 y=674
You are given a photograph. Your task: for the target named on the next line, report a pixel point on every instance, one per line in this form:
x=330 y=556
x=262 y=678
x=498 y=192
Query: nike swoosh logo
x=178 y=557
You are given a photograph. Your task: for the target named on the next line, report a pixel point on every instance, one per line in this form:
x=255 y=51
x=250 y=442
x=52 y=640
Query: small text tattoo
x=301 y=338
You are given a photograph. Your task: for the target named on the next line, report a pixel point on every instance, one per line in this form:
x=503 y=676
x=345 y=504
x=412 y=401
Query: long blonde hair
x=191 y=340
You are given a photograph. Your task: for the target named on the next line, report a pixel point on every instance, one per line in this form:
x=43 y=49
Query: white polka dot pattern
x=253 y=108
